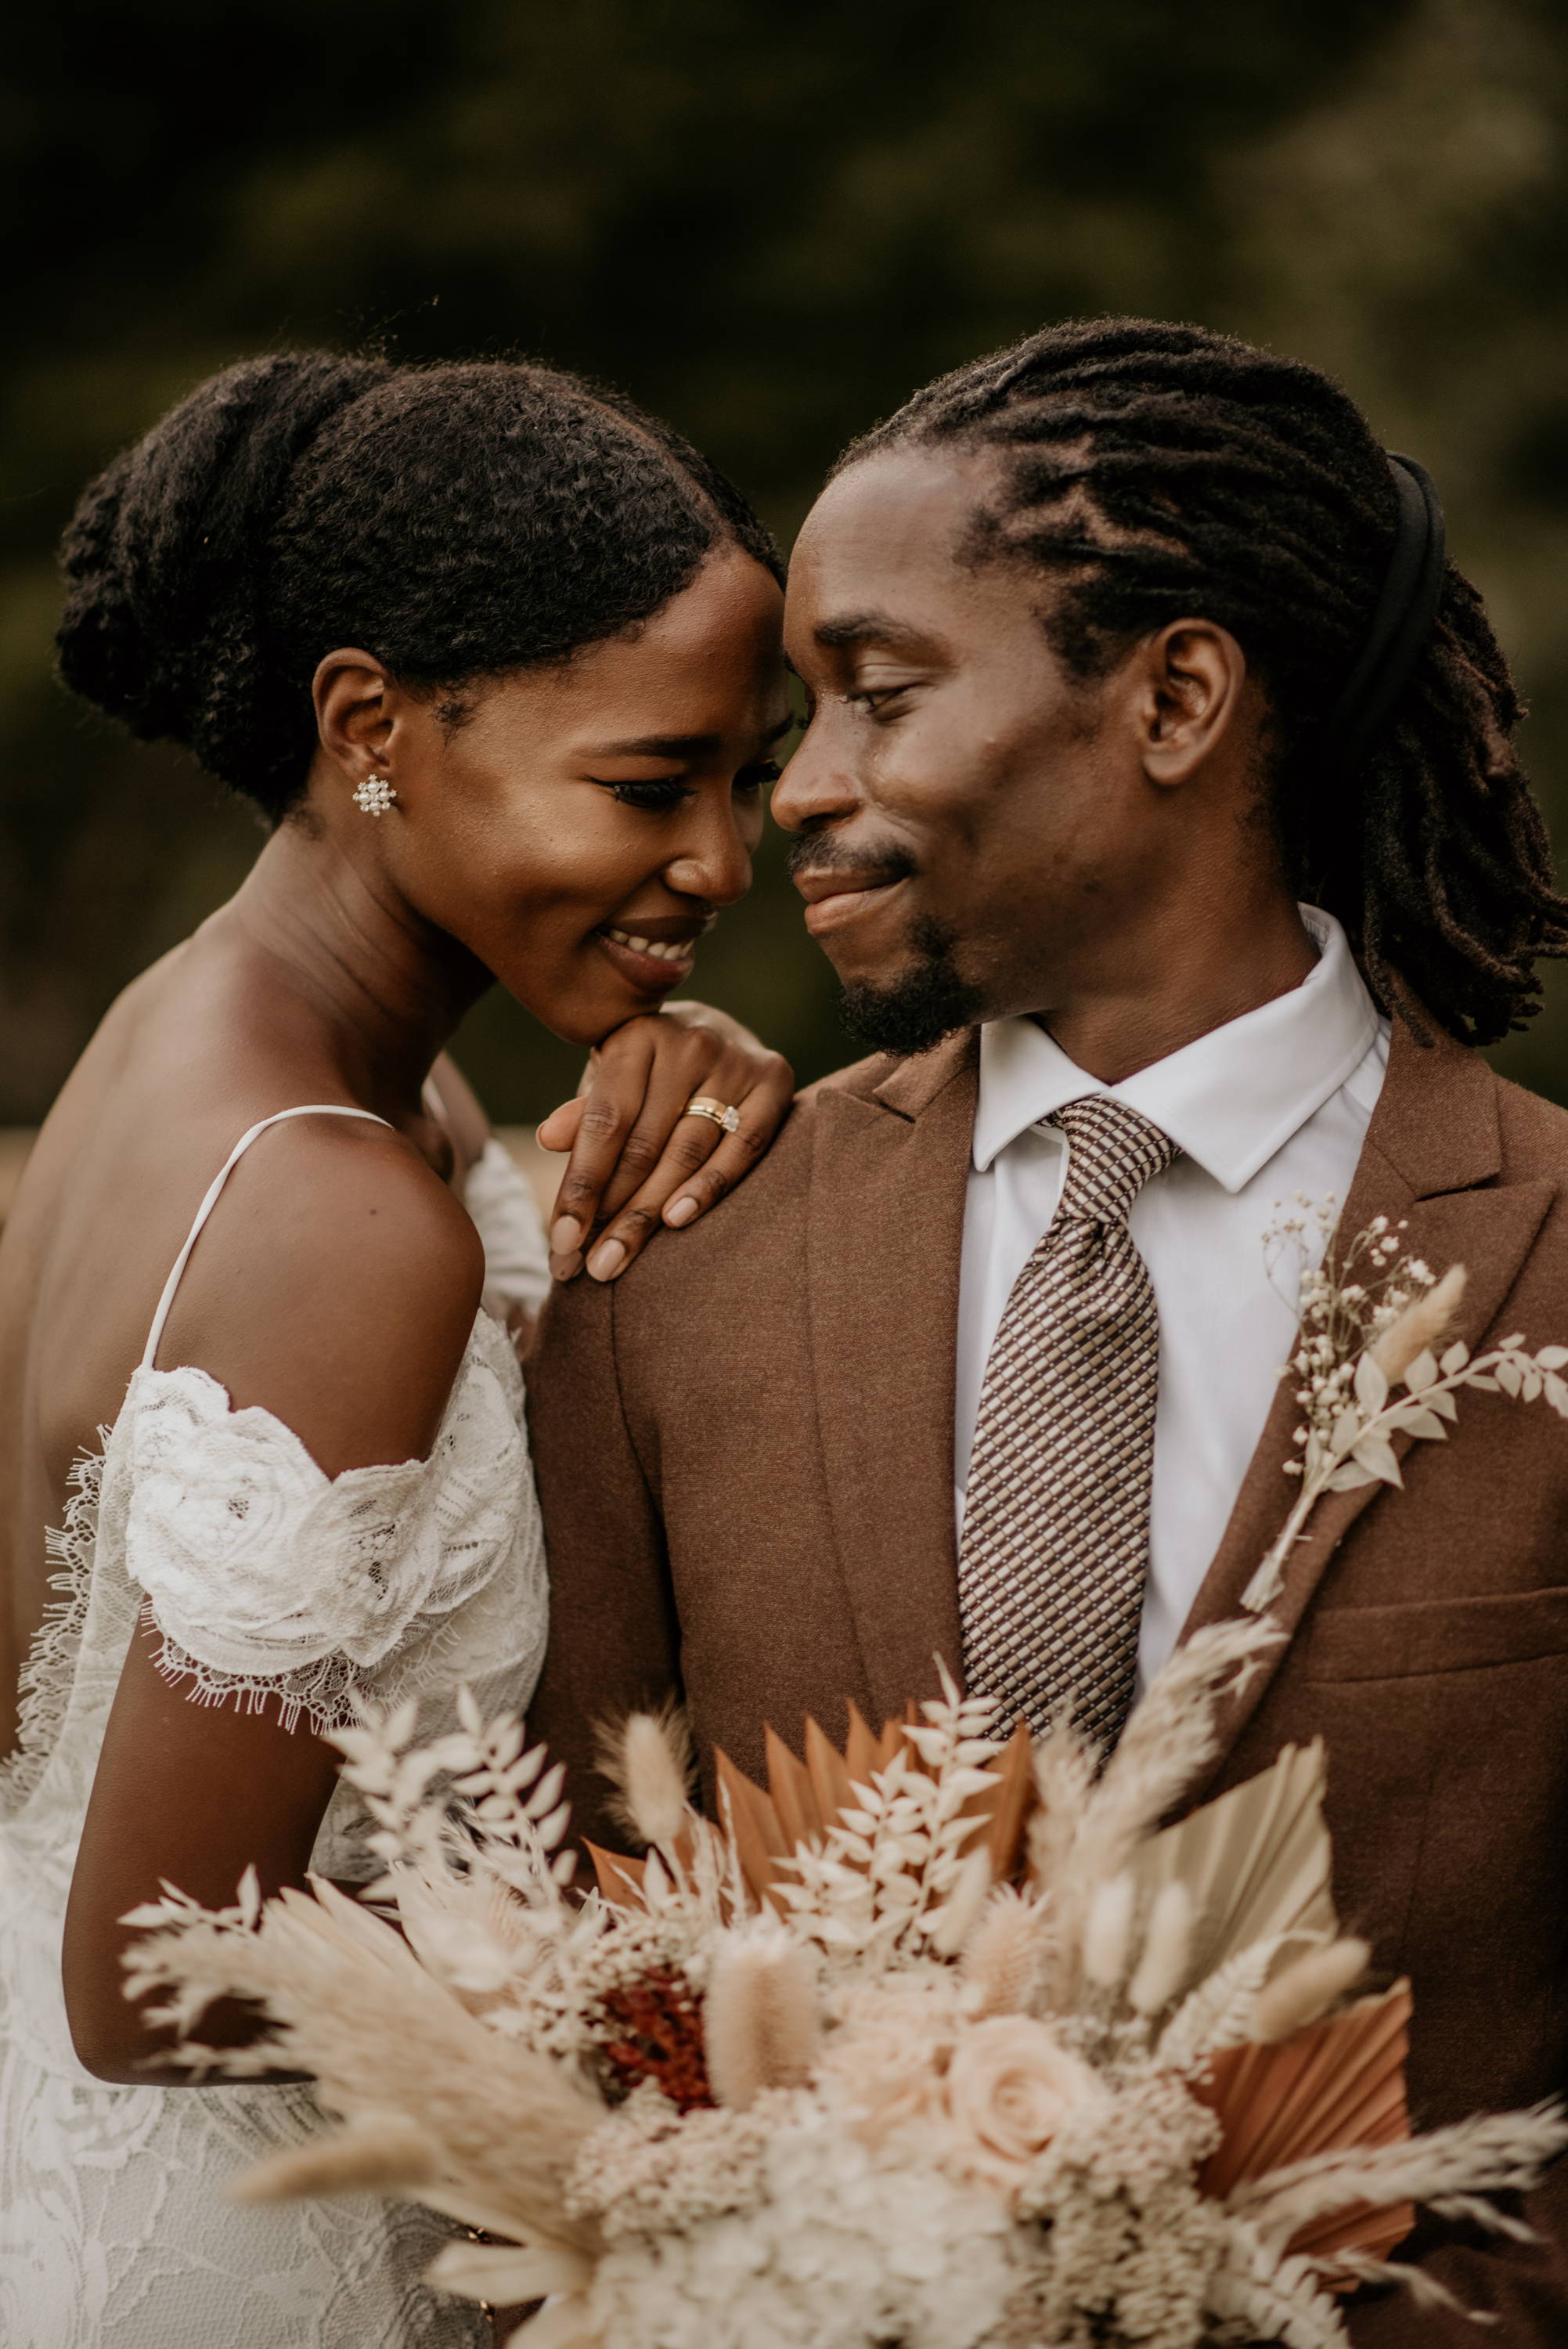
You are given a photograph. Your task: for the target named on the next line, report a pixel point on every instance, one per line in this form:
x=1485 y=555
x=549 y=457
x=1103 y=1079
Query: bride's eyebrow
x=679 y=746
x=658 y=746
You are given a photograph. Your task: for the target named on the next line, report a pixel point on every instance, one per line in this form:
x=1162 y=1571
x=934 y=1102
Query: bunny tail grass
x=1422 y=1326
x=1308 y=1988
x=647 y=1758
x=760 y=2017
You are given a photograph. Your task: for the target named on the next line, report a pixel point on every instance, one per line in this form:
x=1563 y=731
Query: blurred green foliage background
x=767 y=223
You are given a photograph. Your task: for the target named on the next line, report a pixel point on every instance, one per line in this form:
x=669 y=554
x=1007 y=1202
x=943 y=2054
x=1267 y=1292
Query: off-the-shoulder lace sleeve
x=497 y=1195
x=265 y=1576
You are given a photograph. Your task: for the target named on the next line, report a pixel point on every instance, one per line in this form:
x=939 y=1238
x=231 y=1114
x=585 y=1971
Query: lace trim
x=48 y=1675
x=324 y=1692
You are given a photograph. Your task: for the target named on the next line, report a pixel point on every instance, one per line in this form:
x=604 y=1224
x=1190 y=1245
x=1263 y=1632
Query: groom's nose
x=816 y=787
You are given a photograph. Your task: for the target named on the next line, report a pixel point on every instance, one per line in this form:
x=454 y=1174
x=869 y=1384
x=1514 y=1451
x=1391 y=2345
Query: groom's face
x=974 y=822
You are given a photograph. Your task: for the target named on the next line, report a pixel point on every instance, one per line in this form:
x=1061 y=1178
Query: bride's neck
x=386 y=987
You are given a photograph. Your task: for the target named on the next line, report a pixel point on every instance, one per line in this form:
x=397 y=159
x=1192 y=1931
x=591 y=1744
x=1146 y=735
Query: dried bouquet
x=937 y=2041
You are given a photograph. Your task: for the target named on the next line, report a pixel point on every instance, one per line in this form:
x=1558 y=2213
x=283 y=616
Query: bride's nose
x=713 y=861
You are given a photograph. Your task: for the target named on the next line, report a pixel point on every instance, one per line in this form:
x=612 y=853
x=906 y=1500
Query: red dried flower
x=650 y=2029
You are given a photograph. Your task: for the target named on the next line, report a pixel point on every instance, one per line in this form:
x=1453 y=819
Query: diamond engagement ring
x=722 y=1115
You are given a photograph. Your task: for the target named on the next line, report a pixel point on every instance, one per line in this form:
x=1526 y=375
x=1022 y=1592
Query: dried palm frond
x=1333 y=2089
x=803 y=1799
x=1256 y=1863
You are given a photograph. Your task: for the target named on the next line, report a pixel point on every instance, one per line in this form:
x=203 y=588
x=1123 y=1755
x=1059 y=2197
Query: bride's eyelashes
x=660 y=798
x=663 y=796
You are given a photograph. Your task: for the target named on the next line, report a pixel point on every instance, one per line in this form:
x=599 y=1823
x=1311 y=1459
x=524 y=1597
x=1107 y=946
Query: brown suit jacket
x=744 y=1454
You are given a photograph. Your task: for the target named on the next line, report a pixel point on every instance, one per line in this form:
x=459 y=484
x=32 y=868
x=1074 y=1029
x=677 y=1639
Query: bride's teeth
x=649 y=946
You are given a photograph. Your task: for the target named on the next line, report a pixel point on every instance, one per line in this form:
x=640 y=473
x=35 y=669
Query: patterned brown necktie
x=1055 y=1519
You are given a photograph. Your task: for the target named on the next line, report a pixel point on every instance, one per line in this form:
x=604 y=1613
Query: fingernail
x=606 y=1261
x=680 y=1211
x=565 y=1236
x=566 y=1267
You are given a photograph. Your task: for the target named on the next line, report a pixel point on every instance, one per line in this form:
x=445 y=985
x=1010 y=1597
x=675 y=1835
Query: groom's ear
x=1188 y=685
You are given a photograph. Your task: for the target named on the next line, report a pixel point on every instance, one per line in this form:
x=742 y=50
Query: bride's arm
x=336 y=1290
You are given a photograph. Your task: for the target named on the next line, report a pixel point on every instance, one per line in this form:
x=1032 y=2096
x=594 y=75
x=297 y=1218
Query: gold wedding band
x=722 y=1115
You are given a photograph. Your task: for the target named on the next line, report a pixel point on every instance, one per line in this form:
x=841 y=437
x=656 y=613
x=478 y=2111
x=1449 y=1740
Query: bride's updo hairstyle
x=457 y=521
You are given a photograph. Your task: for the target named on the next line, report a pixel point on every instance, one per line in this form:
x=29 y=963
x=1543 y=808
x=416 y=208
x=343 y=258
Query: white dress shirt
x=1271 y=1104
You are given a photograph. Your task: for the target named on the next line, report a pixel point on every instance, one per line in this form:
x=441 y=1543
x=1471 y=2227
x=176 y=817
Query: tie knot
x=1112 y=1152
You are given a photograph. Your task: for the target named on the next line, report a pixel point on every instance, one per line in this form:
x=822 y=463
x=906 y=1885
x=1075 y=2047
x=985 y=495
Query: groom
x=1115 y=645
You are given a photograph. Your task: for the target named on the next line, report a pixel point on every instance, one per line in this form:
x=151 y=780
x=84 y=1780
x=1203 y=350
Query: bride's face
x=578 y=828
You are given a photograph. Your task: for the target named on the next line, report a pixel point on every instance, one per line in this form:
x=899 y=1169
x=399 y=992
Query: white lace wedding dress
x=262 y=1574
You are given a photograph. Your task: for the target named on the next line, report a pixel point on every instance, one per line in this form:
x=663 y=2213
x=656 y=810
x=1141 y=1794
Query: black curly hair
x=1153 y=470
x=457 y=521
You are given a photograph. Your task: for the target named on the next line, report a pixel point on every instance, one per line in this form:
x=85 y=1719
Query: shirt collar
x=1230 y=1099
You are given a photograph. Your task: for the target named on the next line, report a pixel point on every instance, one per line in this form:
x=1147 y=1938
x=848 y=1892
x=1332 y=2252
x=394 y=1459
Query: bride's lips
x=654 y=955
x=835 y=898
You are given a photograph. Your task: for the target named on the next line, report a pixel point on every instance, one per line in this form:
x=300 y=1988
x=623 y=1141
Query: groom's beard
x=928 y=1002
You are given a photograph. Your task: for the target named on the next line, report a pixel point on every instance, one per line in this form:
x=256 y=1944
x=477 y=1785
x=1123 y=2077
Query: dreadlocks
x=1155 y=471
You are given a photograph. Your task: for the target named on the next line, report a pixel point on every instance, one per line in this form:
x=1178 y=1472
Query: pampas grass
x=1173 y=1735
x=383 y=2156
x=352 y=2006
x=1496 y=2153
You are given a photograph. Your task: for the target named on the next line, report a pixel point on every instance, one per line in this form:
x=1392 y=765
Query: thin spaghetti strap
x=306 y=1109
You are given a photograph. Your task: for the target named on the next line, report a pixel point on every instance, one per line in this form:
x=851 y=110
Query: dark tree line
x=767 y=223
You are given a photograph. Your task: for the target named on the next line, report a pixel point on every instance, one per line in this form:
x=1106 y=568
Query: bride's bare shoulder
x=335 y=1285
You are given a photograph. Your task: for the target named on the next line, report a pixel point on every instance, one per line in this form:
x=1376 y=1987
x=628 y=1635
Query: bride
x=498 y=659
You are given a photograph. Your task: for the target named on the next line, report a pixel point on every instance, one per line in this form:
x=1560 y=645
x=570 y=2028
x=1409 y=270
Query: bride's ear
x=354 y=713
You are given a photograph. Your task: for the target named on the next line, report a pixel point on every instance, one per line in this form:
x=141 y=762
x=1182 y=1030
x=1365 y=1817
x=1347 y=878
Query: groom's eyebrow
x=869 y=628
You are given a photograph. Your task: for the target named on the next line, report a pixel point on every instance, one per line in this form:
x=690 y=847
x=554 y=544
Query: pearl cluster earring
x=375 y=795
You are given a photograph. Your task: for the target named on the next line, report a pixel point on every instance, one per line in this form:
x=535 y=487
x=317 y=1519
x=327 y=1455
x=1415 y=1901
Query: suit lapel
x=885 y=1242
x=1432 y=1158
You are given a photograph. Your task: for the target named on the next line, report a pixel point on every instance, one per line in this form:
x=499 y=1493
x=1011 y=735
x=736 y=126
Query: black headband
x=1406 y=610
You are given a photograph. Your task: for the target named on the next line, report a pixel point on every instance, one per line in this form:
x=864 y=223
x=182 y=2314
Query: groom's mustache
x=814 y=861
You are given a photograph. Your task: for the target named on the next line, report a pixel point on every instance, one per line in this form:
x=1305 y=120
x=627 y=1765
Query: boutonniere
x=1372 y=1319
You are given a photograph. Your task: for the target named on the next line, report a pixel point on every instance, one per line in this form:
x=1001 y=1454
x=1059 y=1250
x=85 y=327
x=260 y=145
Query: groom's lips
x=835 y=895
